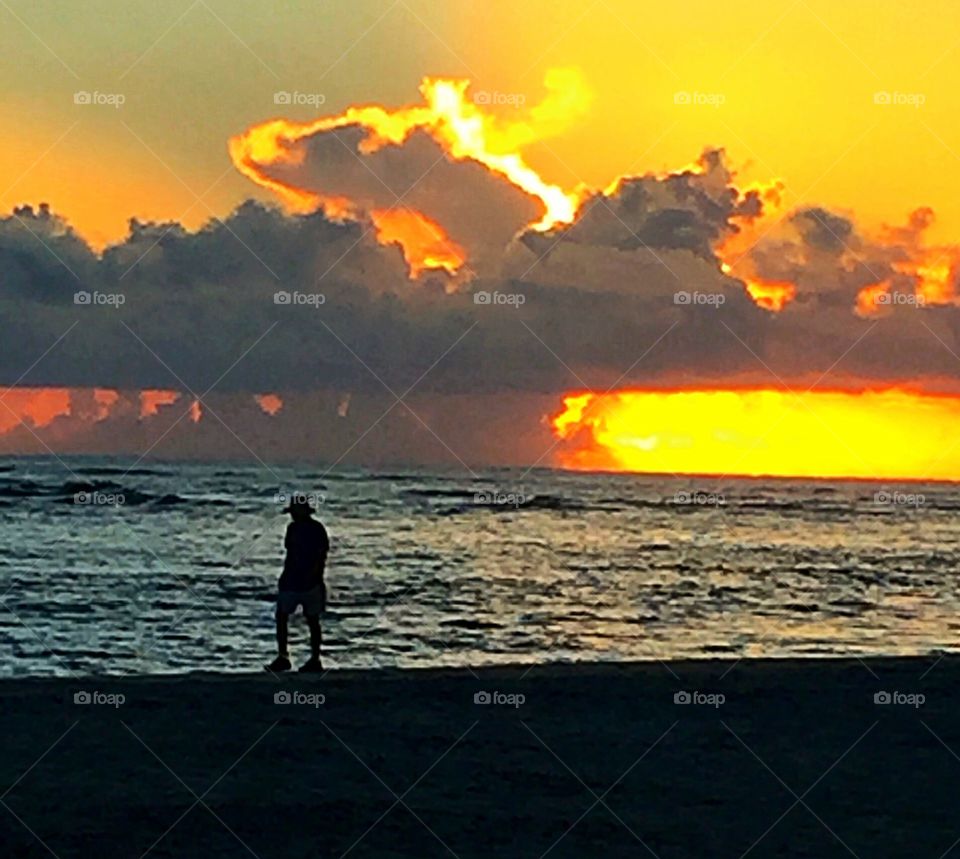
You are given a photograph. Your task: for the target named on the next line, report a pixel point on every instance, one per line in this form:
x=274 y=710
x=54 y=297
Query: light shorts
x=313 y=601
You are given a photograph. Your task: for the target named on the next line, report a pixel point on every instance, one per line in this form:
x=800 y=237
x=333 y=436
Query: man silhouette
x=301 y=582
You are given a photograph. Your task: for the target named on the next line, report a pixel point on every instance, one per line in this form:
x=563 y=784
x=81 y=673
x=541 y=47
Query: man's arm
x=323 y=549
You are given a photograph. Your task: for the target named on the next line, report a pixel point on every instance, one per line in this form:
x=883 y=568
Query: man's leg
x=282 y=662
x=313 y=621
x=282 y=625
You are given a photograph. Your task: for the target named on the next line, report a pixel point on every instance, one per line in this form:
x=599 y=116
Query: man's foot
x=311 y=666
x=281 y=663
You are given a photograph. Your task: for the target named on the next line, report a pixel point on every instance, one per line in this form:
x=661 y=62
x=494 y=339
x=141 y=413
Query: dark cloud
x=631 y=293
x=823 y=230
x=460 y=195
x=684 y=211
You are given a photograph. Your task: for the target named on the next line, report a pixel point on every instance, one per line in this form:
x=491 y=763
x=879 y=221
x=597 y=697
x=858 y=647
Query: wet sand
x=794 y=760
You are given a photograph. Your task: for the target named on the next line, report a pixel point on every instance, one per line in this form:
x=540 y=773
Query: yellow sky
x=885 y=434
x=787 y=87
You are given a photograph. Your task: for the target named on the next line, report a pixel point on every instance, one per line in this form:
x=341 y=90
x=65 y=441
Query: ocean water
x=110 y=567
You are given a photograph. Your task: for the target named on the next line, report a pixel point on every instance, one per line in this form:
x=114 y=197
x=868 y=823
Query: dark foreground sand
x=597 y=761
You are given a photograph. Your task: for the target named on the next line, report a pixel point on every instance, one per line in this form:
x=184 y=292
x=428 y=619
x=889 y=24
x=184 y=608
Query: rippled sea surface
x=560 y=566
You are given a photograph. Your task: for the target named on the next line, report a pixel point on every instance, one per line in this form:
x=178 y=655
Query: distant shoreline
x=403 y=470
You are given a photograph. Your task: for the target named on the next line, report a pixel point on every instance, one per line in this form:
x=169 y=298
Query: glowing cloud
x=152 y=400
x=34 y=406
x=270 y=403
x=274 y=154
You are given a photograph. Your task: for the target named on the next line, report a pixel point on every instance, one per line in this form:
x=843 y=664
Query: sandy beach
x=768 y=758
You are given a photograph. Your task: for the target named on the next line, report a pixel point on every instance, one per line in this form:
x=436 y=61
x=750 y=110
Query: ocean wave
x=82 y=492
x=436 y=493
x=506 y=503
x=107 y=470
x=22 y=489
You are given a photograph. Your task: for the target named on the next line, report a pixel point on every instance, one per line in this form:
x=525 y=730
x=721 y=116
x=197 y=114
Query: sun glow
x=423 y=242
x=891 y=433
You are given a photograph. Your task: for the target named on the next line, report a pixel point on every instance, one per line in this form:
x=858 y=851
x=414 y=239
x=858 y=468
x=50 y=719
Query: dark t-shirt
x=307 y=545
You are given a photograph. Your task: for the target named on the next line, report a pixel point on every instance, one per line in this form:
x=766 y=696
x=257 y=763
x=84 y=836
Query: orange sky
x=797 y=82
x=851 y=106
